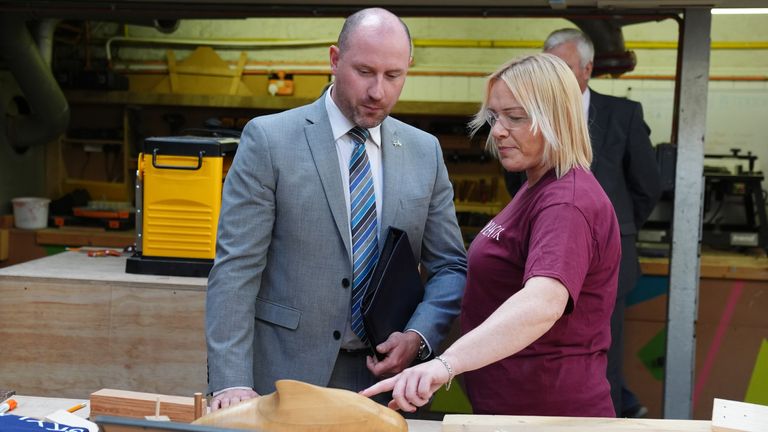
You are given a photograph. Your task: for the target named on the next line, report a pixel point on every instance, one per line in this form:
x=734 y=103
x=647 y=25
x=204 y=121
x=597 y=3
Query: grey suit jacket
x=278 y=295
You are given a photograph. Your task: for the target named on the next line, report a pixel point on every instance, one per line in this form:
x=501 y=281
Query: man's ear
x=588 y=69
x=334 y=57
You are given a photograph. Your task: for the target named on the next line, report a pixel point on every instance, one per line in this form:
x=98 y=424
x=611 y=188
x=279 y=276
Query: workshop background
x=124 y=82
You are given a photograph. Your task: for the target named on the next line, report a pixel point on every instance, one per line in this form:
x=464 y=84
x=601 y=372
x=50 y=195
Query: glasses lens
x=491 y=118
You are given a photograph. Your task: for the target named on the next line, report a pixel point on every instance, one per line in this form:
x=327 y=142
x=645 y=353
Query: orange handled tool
x=8 y=405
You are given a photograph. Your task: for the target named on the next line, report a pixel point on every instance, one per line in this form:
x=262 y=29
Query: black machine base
x=138 y=264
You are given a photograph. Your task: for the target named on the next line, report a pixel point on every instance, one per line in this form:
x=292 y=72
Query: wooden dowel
x=198 y=405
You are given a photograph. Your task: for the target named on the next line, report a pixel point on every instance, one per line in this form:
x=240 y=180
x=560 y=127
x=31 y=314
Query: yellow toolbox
x=178 y=199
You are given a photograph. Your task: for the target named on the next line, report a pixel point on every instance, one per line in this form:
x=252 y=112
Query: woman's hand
x=413 y=387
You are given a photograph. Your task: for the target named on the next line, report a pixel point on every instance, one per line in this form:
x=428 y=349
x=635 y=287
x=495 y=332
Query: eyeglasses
x=507 y=121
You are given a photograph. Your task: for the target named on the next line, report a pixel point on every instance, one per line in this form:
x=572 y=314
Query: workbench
x=40 y=406
x=73 y=324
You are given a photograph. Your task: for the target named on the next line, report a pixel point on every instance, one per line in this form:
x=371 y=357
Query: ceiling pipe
x=611 y=56
x=48 y=108
x=45 y=30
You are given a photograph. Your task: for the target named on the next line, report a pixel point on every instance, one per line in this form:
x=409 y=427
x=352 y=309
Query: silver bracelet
x=449 y=369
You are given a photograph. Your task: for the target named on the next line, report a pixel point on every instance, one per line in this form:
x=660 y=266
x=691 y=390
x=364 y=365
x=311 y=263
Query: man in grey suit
x=624 y=164
x=280 y=301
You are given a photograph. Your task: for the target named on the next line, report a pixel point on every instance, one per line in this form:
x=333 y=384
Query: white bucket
x=30 y=212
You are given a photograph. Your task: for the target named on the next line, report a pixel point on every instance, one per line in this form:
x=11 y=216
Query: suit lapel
x=392 y=153
x=599 y=116
x=320 y=140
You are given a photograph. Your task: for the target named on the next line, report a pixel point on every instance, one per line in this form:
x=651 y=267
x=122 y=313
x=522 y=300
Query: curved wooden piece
x=298 y=406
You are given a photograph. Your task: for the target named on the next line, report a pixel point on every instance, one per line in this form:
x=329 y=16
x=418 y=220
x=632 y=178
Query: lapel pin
x=396 y=140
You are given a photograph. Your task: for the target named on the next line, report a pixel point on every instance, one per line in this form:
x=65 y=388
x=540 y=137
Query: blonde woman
x=542 y=274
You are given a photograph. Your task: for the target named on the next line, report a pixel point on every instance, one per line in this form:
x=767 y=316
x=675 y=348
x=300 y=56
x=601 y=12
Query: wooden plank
x=489 y=423
x=138 y=405
x=716 y=265
x=238 y=73
x=4 y=243
x=172 y=73
x=733 y=416
x=75 y=324
x=83 y=270
x=72 y=236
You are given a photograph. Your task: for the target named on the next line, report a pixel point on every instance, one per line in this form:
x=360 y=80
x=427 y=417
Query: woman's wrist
x=448 y=368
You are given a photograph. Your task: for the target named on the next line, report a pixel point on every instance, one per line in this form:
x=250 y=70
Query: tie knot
x=359 y=135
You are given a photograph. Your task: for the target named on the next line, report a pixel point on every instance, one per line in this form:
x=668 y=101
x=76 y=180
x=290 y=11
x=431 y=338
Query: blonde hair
x=548 y=92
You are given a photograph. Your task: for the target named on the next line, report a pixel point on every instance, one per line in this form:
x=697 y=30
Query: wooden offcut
x=491 y=423
x=204 y=72
x=124 y=403
x=733 y=416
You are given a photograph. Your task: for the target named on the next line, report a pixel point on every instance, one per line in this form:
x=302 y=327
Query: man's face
x=370 y=73
x=570 y=55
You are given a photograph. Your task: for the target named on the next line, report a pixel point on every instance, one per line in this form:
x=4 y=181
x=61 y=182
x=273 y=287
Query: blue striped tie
x=362 y=203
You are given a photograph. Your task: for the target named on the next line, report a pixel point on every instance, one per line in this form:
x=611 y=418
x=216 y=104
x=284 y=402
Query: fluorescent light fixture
x=739 y=11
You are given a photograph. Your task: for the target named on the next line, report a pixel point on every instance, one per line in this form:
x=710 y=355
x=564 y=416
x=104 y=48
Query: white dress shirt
x=340 y=125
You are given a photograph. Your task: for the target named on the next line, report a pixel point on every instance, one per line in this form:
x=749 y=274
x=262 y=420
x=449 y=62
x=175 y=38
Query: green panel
x=757 y=392
x=652 y=354
x=452 y=401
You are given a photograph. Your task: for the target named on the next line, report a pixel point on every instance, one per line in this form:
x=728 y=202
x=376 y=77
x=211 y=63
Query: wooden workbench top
x=85 y=236
x=716 y=265
x=78 y=266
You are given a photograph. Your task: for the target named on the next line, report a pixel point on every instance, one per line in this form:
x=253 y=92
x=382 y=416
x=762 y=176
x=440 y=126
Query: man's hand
x=228 y=398
x=400 y=350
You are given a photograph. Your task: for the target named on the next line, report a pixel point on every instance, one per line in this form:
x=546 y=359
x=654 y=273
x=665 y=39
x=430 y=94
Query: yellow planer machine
x=178 y=199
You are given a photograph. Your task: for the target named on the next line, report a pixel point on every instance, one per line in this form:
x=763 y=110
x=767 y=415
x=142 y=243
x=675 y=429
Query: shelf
x=92 y=141
x=99 y=190
x=491 y=208
x=277 y=103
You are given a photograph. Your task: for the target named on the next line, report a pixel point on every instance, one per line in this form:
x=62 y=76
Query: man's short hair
x=583 y=43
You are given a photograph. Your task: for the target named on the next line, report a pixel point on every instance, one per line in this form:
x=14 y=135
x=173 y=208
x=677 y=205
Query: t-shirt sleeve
x=560 y=247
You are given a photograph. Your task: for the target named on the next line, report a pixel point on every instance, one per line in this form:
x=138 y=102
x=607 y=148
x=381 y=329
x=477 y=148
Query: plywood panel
x=487 y=423
x=730 y=329
x=71 y=330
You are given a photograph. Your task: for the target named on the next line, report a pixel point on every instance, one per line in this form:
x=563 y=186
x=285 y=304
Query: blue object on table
x=14 y=423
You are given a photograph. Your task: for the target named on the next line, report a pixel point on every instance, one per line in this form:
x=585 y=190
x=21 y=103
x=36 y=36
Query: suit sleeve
x=443 y=260
x=244 y=235
x=640 y=168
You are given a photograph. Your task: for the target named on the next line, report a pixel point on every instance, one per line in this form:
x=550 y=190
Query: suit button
x=345 y=283
x=336 y=334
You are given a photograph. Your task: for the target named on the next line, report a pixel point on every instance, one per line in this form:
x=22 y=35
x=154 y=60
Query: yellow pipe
x=473 y=43
x=244 y=43
x=490 y=43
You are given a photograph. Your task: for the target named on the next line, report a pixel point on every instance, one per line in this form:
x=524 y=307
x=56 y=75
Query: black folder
x=394 y=290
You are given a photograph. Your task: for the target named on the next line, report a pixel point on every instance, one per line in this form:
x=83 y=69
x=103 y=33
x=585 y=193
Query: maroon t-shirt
x=564 y=229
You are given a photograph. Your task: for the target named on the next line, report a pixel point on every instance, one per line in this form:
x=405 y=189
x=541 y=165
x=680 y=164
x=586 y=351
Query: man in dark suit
x=624 y=164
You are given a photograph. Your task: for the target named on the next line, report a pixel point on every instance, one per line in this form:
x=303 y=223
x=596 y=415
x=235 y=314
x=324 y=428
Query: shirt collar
x=585 y=98
x=340 y=124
